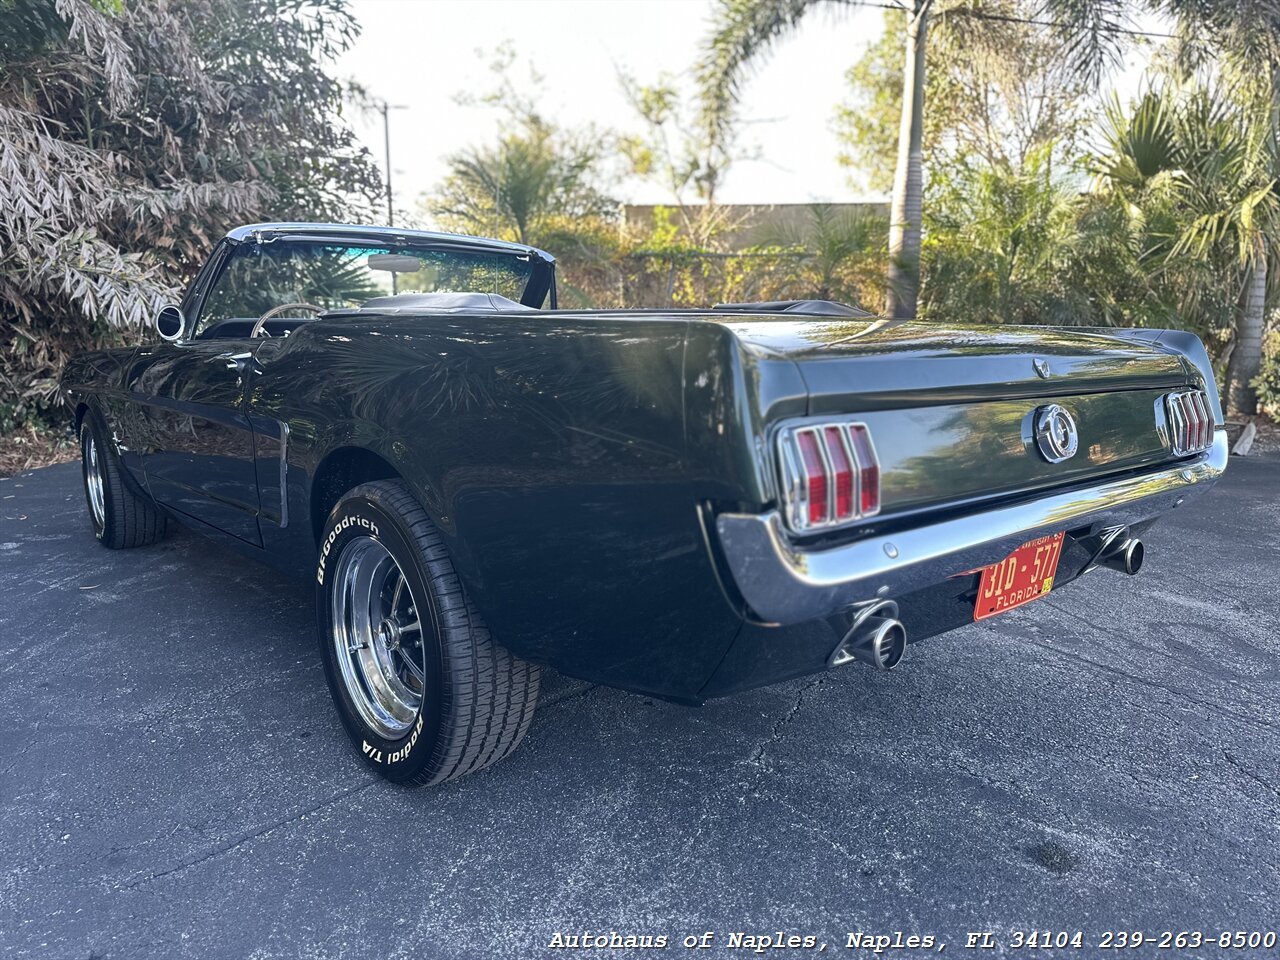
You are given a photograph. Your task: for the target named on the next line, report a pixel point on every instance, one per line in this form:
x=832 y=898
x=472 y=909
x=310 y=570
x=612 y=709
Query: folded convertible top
x=820 y=308
x=446 y=303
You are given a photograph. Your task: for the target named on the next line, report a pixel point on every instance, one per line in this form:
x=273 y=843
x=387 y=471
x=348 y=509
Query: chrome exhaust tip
x=880 y=642
x=886 y=643
x=1127 y=557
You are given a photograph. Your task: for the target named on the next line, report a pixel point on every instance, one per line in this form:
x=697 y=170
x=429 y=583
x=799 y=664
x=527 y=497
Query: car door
x=197 y=444
x=199 y=453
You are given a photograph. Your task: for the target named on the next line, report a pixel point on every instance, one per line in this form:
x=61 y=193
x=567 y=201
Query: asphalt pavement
x=174 y=782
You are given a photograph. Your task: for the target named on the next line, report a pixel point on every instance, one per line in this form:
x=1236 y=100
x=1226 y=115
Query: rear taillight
x=868 y=470
x=816 y=495
x=841 y=470
x=830 y=475
x=1189 y=421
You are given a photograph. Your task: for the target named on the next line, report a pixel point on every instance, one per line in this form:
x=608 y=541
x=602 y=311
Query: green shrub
x=1267 y=383
x=132 y=135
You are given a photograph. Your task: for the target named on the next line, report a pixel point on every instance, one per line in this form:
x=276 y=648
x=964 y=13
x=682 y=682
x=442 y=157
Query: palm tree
x=511 y=189
x=1213 y=160
x=746 y=29
x=1002 y=244
x=907 y=204
x=1093 y=33
x=504 y=189
x=841 y=250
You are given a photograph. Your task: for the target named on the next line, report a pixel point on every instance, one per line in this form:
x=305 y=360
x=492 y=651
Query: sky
x=420 y=54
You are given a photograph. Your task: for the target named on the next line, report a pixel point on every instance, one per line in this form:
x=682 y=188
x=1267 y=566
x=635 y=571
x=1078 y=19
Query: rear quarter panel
x=552 y=454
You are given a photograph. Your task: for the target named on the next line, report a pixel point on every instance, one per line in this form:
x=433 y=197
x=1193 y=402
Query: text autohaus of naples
x=758 y=943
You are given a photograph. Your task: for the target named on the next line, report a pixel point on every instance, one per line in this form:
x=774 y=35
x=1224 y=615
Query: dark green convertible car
x=683 y=503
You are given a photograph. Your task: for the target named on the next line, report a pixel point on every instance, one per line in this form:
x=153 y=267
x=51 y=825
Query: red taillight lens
x=830 y=475
x=1205 y=438
x=841 y=471
x=1190 y=422
x=868 y=470
x=815 y=475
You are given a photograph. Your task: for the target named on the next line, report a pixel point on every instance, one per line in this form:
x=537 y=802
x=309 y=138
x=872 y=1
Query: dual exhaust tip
x=877 y=638
x=882 y=644
x=1127 y=557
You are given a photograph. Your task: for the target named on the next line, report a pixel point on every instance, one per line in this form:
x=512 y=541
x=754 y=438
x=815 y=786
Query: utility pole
x=385 y=109
x=386 y=142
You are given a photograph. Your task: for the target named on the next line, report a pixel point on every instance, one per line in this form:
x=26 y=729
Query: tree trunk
x=1246 y=358
x=908 y=179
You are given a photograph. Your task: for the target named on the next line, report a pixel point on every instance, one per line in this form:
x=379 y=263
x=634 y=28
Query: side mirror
x=170 y=323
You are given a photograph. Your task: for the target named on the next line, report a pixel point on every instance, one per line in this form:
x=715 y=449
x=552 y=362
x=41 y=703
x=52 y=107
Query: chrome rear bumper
x=784 y=583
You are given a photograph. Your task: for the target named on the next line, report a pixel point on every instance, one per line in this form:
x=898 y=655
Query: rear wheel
x=423 y=691
x=120 y=515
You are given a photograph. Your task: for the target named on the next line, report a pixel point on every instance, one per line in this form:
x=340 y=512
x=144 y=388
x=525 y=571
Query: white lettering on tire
x=373 y=753
x=343 y=524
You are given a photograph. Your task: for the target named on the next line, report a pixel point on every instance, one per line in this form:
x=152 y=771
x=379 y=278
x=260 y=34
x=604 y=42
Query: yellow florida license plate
x=1019 y=578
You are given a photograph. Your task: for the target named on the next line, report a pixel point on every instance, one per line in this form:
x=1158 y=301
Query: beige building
x=751 y=223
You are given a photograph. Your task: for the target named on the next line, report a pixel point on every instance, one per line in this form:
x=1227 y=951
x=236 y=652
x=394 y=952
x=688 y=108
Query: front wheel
x=121 y=516
x=423 y=691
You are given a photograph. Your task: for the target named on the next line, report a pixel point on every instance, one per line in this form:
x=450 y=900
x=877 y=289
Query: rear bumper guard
x=784 y=584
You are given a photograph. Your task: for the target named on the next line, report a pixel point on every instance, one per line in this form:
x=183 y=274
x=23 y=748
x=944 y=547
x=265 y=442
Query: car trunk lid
x=850 y=365
x=950 y=409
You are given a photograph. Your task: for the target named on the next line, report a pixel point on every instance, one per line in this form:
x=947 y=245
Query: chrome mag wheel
x=93 y=480
x=378 y=637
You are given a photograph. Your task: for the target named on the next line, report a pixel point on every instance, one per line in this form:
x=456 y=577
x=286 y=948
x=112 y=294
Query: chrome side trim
x=284 y=474
x=783 y=584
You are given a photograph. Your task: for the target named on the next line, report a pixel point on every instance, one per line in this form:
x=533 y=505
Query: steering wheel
x=259 y=327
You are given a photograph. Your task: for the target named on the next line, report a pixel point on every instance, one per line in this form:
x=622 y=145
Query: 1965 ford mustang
x=680 y=503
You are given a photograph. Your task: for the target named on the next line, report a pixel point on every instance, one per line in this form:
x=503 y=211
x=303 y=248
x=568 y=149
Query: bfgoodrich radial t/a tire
x=423 y=691
x=121 y=517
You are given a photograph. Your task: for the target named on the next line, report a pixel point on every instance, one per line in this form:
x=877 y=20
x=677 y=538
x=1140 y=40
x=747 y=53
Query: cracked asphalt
x=174 y=782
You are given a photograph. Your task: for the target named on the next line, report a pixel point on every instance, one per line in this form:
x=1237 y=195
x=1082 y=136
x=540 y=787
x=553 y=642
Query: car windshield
x=337 y=276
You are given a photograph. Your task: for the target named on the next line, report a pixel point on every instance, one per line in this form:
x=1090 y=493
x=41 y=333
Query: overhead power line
x=1031 y=21
x=1102 y=28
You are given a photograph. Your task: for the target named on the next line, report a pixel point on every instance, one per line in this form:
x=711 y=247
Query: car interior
x=270 y=289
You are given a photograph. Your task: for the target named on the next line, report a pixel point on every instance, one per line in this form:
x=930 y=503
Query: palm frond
x=743 y=31
x=1093 y=34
